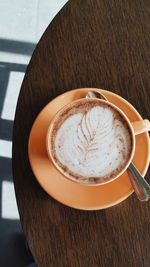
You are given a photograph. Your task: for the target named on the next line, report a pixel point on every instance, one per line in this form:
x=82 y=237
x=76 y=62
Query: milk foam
x=93 y=144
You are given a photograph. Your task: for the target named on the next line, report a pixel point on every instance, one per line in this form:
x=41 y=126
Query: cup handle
x=138 y=126
x=141 y=126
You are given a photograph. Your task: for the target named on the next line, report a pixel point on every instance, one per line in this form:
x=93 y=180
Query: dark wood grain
x=90 y=43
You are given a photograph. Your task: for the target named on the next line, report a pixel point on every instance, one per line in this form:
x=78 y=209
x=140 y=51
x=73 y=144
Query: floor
x=18 y=37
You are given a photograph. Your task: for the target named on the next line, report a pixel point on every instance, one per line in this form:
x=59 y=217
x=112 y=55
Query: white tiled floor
x=11 y=95
x=26 y=20
x=18 y=19
x=5 y=148
x=9 y=207
x=21 y=25
x=47 y=10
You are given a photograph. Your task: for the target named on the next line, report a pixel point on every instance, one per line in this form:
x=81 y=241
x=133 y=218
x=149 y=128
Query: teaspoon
x=140 y=185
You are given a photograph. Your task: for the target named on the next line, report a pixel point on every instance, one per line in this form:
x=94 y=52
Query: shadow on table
x=12 y=241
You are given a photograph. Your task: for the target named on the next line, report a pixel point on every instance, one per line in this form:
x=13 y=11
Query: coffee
x=90 y=141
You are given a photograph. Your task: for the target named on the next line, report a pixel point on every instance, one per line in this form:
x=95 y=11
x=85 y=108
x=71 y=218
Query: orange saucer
x=64 y=190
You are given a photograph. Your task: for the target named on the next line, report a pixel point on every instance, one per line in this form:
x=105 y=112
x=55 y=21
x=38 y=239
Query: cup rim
x=70 y=177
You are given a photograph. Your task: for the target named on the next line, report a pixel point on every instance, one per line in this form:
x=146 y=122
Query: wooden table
x=90 y=43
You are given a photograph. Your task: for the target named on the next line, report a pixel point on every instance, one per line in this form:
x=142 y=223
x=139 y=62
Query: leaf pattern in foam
x=93 y=130
x=89 y=144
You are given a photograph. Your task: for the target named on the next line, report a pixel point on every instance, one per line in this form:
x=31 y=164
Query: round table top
x=99 y=44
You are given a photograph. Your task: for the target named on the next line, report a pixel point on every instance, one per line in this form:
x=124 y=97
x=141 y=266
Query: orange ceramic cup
x=135 y=128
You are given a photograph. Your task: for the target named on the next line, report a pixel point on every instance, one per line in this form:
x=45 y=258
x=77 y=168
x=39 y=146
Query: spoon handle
x=140 y=185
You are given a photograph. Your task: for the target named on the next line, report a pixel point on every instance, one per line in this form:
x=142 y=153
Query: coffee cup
x=91 y=141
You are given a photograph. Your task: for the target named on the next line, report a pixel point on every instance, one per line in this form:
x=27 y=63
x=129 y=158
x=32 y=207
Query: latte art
x=92 y=143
